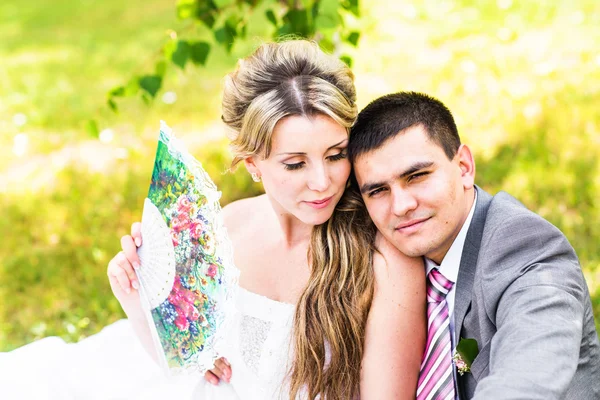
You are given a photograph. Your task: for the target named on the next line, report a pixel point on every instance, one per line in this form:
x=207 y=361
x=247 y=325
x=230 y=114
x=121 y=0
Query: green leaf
x=353 y=38
x=119 y=91
x=298 y=22
x=243 y=31
x=181 y=54
x=468 y=350
x=146 y=98
x=205 y=12
x=327 y=16
x=225 y=36
x=150 y=84
x=271 y=17
x=91 y=127
x=186 y=9
x=223 y=3
x=347 y=59
x=352 y=6
x=199 y=52
x=112 y=104
x=308 y=3
x=328 y=7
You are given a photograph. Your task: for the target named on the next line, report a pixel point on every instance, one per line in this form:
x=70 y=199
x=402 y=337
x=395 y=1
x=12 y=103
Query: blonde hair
x=281 y=79
x=296 y=78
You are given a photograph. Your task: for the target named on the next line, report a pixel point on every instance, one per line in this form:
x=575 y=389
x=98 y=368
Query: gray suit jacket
x=521 y=294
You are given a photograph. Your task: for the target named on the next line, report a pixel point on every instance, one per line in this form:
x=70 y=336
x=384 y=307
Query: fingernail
x=135 y=285
x=215 y=382
x=136 y=265
x=138 y=241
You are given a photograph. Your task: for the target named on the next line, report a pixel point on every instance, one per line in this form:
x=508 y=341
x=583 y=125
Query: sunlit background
x=522 y=78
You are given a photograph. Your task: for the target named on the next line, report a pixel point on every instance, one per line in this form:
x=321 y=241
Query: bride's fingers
x=122 y=271
x=212 y=378
x=130 y=251
x=126 y=266
x=225 y=369
x=136 y=233
x=122 y=279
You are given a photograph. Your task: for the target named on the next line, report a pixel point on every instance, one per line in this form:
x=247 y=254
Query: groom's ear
x=466 y=163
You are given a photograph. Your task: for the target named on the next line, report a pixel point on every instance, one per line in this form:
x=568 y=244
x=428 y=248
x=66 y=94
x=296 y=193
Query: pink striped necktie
x=436 y=380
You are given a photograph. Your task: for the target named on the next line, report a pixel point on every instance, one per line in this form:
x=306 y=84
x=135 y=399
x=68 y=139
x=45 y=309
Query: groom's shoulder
x=506 y=211
x=509 y=221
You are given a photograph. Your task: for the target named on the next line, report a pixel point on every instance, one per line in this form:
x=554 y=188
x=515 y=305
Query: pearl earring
x=255 y=177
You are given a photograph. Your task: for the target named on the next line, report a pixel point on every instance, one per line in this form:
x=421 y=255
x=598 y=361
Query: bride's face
x=306 y=172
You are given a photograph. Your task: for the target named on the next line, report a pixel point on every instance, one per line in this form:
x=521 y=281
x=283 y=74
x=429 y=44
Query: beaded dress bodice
x=258 y=346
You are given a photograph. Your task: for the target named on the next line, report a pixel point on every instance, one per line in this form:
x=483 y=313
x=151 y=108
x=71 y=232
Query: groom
x=498 y=274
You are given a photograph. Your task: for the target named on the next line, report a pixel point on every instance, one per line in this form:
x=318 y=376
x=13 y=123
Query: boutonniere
x=464 y=354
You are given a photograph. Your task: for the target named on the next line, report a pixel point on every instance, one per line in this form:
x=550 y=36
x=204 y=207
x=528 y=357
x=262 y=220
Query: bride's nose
x=318 y=178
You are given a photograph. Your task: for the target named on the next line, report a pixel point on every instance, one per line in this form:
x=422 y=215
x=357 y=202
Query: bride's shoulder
x=244 y=213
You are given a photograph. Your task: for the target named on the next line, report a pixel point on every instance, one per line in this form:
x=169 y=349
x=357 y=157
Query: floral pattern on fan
x=189 y=317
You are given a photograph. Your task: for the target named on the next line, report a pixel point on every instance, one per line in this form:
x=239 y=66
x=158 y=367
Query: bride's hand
x=222 y=370
x=121 y=274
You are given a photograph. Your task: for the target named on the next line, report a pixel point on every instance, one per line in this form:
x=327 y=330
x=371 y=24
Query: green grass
x=523 y=83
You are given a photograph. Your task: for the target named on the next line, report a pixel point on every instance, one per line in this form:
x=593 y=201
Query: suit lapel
x=468 y=261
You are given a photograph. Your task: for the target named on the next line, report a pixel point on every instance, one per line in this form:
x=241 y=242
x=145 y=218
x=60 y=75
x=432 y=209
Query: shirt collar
x=451 y=262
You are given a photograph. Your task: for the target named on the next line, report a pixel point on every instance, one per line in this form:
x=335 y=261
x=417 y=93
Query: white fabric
x=113 y=365
x=450 y=266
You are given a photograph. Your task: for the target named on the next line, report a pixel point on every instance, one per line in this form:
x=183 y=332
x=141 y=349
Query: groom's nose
x=402 y=201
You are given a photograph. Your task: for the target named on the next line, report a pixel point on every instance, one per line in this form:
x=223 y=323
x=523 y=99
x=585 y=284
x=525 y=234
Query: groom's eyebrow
x=415 y=167
x=367 y=187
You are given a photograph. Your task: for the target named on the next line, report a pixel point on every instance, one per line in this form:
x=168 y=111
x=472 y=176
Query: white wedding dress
x=113 y=365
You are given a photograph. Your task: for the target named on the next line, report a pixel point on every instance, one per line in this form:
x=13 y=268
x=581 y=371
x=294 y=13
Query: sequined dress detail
x=258 y=348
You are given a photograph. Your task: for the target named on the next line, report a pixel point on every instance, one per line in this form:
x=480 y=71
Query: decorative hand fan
x=187 y=276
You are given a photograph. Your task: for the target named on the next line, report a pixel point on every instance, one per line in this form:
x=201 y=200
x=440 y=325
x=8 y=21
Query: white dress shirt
x=450 y=265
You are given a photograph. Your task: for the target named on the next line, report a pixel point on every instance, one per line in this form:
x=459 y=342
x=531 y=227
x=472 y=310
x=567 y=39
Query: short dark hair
x=389 y=115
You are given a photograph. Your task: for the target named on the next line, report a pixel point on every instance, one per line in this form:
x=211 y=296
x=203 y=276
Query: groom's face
x=416 y=196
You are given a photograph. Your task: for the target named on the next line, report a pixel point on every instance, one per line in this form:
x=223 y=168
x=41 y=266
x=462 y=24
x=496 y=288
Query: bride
x=320 y=313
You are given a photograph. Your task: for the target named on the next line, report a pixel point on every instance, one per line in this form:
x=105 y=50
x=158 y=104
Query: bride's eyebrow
x=298 y=153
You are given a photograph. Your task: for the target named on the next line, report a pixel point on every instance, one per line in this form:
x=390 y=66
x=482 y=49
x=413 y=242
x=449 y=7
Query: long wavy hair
x=296 y=78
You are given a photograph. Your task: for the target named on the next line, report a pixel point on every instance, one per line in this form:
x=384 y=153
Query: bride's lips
x=322 y=203
x=411 y=226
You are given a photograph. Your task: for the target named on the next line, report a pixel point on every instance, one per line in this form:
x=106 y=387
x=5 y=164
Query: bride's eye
x=337 y=157
x=292 y=167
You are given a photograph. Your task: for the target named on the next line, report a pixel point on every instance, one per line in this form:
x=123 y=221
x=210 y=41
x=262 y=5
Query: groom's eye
x=375 y=192
x=417 y=175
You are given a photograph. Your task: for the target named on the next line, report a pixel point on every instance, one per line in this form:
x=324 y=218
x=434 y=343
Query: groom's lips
x=410 y=226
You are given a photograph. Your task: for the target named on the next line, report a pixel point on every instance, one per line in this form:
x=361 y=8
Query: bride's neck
x=294 y=232
x=291 y=231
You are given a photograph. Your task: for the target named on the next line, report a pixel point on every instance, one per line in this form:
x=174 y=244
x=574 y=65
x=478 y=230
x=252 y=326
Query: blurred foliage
x=55 y=282
x=228 y=21
x=522 y=79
